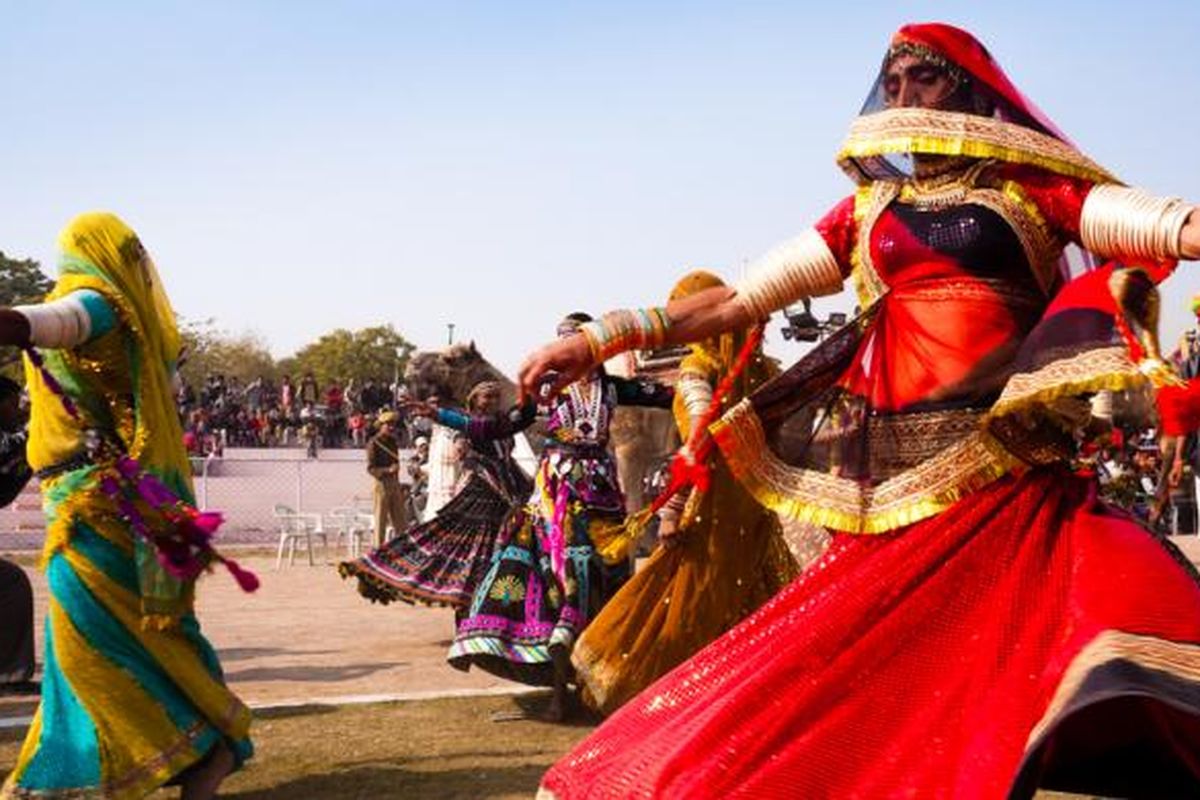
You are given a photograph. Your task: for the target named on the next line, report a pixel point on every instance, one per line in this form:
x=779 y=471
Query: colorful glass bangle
x=620 y=331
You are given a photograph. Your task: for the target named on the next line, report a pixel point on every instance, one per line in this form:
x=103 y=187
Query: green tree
x=379 y=352
x=22 y=281
x=208 y=350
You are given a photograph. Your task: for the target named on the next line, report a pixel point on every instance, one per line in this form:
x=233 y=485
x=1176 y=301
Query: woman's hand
x=14 y=328
x=668 y=528
x=1189 y=237
x=553 y=367
x=1175 y=477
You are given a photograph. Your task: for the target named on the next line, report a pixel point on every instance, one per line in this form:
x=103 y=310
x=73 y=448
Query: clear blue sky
x=299 y=166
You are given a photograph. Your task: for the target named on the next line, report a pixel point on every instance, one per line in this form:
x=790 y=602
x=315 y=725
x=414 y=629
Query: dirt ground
x=306 y=635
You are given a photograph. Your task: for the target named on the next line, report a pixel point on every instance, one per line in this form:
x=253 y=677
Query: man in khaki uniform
x=383 y=462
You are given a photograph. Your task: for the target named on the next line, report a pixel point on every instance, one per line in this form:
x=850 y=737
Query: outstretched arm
x=801 y=267
x=478 y=428
x=66 y=322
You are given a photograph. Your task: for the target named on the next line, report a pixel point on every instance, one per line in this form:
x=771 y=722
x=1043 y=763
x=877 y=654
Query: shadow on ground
x=533 y=707
x=384 y=780
x=310 y=674
x=243 y=653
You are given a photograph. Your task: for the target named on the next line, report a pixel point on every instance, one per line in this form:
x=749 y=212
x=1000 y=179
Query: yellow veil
x=102 y=253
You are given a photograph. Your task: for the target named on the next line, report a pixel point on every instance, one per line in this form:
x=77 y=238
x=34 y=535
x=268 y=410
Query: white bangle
x=60 y=323
x=800 y=267
x=1120 y=221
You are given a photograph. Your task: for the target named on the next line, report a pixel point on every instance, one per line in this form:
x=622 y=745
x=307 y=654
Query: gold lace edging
x=920 y=130
x=869 y=202
x=1108 y=368
x=1178 y=659
x=849 y=506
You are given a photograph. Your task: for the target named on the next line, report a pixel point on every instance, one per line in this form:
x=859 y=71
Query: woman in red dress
x=980 y=625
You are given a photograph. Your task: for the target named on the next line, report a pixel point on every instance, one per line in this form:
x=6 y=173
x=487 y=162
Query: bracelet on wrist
x=619 y=331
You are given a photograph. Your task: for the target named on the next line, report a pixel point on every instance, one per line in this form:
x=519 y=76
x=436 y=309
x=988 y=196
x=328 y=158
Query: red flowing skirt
x=1028 y=636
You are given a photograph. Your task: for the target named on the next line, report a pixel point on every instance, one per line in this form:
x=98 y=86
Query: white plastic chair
x=353 y=525
x=294 y=527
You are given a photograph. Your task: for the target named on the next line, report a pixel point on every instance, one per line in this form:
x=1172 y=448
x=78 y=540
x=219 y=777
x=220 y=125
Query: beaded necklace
x=586 y=411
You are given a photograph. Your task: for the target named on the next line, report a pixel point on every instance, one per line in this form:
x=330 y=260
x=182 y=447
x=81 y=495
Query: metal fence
x=245 y=486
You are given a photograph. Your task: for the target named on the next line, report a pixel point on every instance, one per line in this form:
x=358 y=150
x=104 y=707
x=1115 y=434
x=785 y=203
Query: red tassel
x=694 y=471
x=1179 y=408
x=245 y=578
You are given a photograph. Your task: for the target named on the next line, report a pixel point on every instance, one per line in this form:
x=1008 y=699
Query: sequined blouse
x=959 y=271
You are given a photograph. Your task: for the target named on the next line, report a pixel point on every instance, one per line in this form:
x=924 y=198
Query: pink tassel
x=245 y=578
x=208 y=521
x=558 y=538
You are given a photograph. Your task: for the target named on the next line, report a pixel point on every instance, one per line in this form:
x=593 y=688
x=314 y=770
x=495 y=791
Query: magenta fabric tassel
x=245 y=578
x=208 y=521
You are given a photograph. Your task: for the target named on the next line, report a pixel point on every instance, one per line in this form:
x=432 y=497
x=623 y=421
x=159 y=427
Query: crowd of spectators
x=225 y=412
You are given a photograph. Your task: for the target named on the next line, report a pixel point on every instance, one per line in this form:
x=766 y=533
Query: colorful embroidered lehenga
x=443 y=560
x=727 y=558
x=547 y=579
x=980 y=625
x=132 y=693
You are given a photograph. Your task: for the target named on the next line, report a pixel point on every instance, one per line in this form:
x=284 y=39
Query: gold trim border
x=920 y=130
x=1090 y=371
x=849 y=506
x=1179 y=659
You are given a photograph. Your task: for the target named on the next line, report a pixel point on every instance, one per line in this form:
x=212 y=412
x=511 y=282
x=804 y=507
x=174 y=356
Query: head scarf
x=571 y=322
x=481 y=388
x=1002 y=123
x=100 y=252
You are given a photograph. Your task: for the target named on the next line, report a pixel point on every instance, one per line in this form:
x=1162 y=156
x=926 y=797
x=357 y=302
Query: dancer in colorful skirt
x=132 y=693
x=723 y=553
x=548 y=578
x=443 y=560
x=981 y=625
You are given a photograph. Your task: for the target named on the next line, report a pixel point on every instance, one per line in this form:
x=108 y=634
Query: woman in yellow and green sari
x=132 y=697
x=722 y=556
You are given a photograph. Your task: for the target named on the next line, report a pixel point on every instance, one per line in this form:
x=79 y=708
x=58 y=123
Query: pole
x=450 y=333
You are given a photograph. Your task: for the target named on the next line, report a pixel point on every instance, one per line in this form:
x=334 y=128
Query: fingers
x=526 y=383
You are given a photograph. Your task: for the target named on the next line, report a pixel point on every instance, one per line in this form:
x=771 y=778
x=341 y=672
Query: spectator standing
x=254 y=394
x=383 y=463
x=287 y=395
x=335 y=418
x=310 y=430
x=373 y=397
x=358 y=428
x=309 y=393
